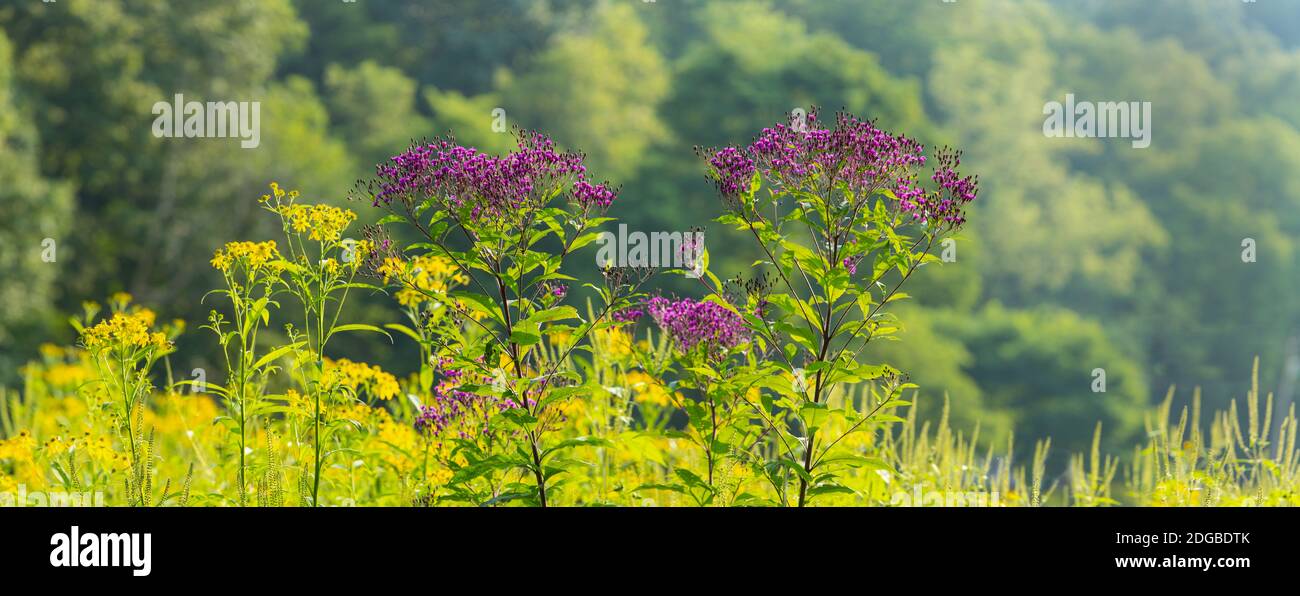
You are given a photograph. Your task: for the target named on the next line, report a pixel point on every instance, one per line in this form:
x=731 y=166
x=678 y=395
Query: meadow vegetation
x=532 y=388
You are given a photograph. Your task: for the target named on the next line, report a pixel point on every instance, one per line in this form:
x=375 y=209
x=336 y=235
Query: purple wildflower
x=592 y=195
x=698 y=324
x=488 y=186
x=627 y=315
x=855 y=153
x=452 y=406
x=733 y=170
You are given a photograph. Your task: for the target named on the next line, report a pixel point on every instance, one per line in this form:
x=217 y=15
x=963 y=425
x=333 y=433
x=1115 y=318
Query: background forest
x=1081 y=253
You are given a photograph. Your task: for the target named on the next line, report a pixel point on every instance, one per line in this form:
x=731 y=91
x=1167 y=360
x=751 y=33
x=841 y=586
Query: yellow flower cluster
x=302 y=405
x=177 y=413
x=51 y=351
x=119 y=301
x=323 y=222
x=648 y=390
x=430 y=273
x=20 y=448
x=20 y=452
x=359 y=376
x=278 y=193
x=254 y=255
x=615 y=342
x=399 y=446
x=299 y=404
x=125 y=329
x=98 y=448
x=62 y=369
x=66 y=376
x=393 y=434
x=354 y=411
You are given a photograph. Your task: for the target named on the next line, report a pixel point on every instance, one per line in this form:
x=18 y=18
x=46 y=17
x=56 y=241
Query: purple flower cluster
x=733 y=171
x=592 y=195
x=451 y=404
x=954 y=192
x=627 y=315
x=855 y=153
x=489 y=186
x=698 y=324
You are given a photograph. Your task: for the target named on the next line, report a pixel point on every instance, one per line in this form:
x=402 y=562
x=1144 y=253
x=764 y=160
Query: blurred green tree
x=35 y=215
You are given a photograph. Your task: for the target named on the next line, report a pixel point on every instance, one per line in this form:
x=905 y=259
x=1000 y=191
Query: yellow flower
x=100 y=451
x=51 y=351
x=392 y=434
x=21 y=451
x=253 y=255
x=119 y=301
x=359 y=376
x=355 y=411
x=125 y=329
x=67 y=376
x=56 y=447
x=300 y=404
x=573 y=408
x=648 y=390
x=614 y=342
x=421 y=275
x=562 y=338
x=325 y=223
x=175 y=413
x=20 y=448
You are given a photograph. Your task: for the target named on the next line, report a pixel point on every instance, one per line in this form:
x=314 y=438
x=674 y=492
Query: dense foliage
x=1080 y=254
x=520 y=398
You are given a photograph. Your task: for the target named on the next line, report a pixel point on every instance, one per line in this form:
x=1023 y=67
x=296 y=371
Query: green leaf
x=854 y=460
x=276 y=354
x=677 y=488
x=813 y=415
x=558 y=313
x=691 y=478
x=577 y=442
x=360 y=327
x=407 y=331
x=524 y=337
x=827 y=489
x=519 y=417
x=584 y=240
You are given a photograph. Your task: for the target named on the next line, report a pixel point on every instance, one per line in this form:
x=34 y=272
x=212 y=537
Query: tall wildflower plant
x=844 y=217
x=252 y=272
x=320 y=269
x=124 y=347
x=506 y=224
x=711 y=343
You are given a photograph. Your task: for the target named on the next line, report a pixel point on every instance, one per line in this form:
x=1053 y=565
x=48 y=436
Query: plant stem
x=807 y=466
x=537 y=472
x=315 y=483
x=713 y=437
